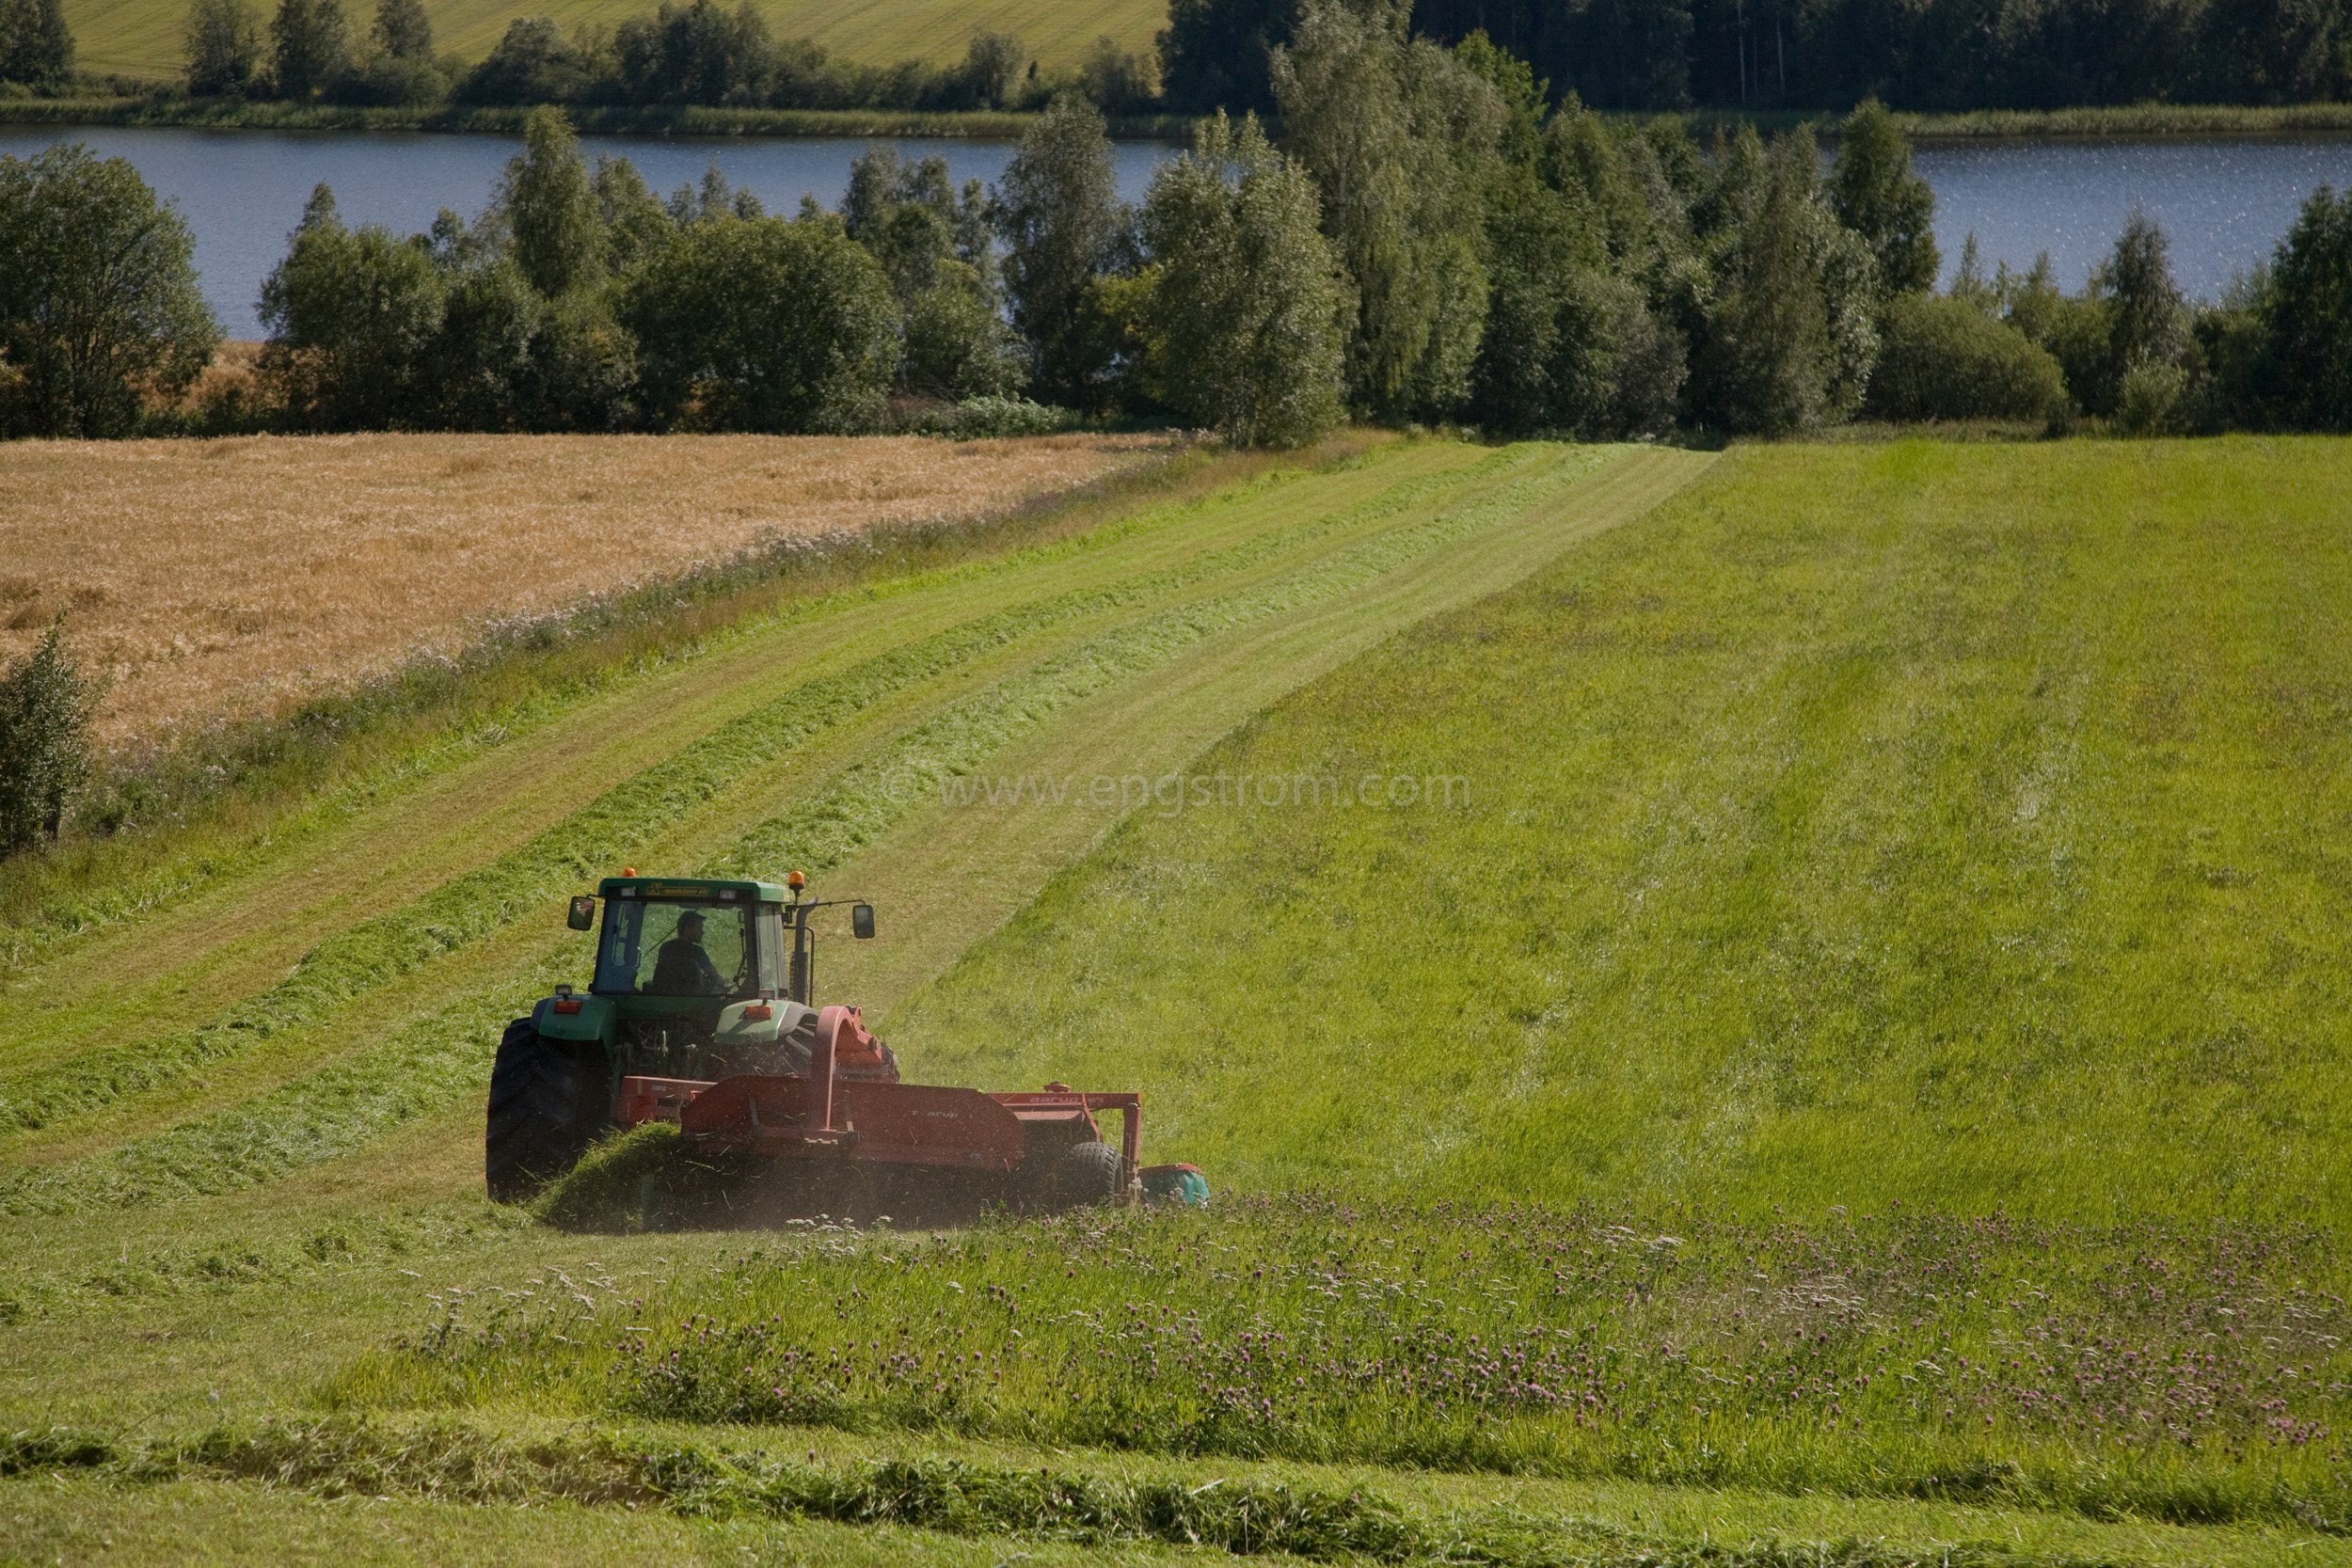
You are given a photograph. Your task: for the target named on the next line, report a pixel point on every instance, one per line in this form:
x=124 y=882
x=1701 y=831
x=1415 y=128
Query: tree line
x=692 y=53
x=1657 y=55
x=1665 y=56
x=1432 y=242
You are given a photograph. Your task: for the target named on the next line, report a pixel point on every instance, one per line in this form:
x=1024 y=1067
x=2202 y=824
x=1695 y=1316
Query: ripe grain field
x=206 y=576
x=1820 y=1047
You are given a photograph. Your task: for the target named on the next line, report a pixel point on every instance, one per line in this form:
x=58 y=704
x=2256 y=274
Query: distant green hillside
x=142 y=37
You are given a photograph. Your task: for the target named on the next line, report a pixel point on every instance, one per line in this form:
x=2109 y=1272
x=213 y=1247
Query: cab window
x=660 y=948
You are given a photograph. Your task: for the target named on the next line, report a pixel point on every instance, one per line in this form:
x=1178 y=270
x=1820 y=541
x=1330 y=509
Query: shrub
x=1119 y=82
x=987 y=418
x=2151 y=399
x=391 y=80
x=957 y=345
x=1945 y=359
x=531 y=63
x=2236 y=390
x=45 y=707
x=2078 y=328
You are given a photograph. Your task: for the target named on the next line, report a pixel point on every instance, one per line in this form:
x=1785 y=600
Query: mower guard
x=908 y=1124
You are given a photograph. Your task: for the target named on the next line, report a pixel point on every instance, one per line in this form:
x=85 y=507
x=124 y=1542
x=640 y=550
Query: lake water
x=2225 y=203
x=243 y=191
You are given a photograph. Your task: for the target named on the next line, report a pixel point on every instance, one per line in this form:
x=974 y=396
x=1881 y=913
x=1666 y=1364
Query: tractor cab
x=696 y=976
x=690 y=939
x=701 y=941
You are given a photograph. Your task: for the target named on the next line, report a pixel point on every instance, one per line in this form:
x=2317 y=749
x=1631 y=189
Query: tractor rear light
x=567 y=1005
x=758 y=1012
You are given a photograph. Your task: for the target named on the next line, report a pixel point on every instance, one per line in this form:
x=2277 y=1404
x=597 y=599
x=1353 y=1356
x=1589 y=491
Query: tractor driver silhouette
x=683 y=969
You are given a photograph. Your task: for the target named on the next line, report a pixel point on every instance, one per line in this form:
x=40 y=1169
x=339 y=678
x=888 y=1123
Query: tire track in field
x=406 y=826
x=416 y=1066
x=376 y=953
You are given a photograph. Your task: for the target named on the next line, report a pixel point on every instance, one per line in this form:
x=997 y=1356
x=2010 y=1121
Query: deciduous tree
x=550 y=208
x=352 y=316
x=35 y=45
x=223 y=44
x=1058 y=209
x=402 y=30
x=757 y=324
x=1789 y=336
x=1247 y=299
x=1400 y=139
x=99 y=304
x=2307 y=314
x=1875 y=192
x=309 y=47
x=45 y=707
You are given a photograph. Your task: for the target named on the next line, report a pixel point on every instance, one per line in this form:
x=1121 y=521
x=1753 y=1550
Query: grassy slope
x=1909 y=822
x=1667 y=724
x=143 y=37
x=418 y=920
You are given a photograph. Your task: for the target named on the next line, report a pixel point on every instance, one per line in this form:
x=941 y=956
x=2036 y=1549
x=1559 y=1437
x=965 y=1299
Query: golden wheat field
x=209 y=577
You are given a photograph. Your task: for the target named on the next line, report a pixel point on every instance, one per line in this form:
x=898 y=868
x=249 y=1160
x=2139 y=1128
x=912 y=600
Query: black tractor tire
x=1088 y=1176
x=549 y=1099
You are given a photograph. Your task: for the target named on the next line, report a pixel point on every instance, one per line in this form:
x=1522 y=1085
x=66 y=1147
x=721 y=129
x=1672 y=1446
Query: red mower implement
x=700 y=1015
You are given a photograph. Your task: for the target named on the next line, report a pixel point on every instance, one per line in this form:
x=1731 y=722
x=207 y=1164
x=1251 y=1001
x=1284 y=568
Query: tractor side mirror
x=861 y=921
x=584 y=914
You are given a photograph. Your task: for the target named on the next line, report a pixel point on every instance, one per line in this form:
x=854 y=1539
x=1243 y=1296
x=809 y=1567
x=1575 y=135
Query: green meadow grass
x=1410 y=506
x=2155 y=1372
x=1959 y=825
x=1843 y=1069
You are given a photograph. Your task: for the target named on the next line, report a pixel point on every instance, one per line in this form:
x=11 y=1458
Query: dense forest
x=1828 y=54
x=1433 y=241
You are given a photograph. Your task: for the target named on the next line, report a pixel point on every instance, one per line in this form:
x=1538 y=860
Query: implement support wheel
x=1088 y=1176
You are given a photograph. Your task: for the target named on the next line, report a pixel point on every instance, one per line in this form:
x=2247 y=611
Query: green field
x=1817 y=1042
x=142 y=38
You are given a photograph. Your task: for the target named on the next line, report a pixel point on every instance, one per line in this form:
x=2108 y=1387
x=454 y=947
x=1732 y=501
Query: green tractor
x=702 y=1013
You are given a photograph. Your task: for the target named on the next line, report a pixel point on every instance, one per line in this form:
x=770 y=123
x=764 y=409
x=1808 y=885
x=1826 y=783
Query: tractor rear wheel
x=547 y=1102
x=1088 y=1176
